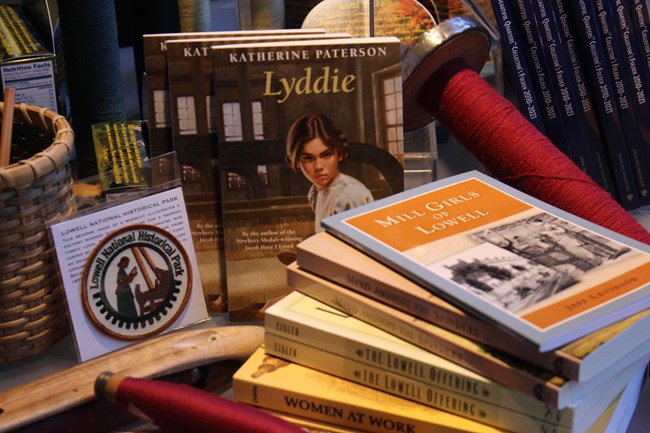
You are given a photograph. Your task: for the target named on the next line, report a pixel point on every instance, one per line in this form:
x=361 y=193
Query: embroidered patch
x=136 y=282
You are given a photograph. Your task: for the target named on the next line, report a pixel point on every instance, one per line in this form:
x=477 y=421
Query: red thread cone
x=177 y=408
x=514 y=151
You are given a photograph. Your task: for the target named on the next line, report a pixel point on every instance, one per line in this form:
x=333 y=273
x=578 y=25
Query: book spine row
x=506 y=370
x=272 y=383
x=470 y=402
x=277 y=398
x=553 y=48
x=399 y=361
x=531 y=31
x=603 y=94
x=629 y=123
x=439 y=313
x=611 y=146
x=585 y=104
x=515 y=61
x=637 y=80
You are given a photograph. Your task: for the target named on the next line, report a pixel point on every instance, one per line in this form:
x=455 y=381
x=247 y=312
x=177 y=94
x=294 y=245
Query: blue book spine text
x=599 y=80
x=516 y=62
x=585 y=106
x=530 y=30
x=622 y=97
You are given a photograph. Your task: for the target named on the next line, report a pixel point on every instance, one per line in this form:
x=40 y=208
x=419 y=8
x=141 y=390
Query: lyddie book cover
x=306 y=129
x=505 y=256
x=194 y=133
x=156 y=100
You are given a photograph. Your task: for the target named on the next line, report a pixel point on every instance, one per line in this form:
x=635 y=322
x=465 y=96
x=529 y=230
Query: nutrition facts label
x=33 y=81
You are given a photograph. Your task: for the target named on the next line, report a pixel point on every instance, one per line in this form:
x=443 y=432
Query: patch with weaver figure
x=136 y=282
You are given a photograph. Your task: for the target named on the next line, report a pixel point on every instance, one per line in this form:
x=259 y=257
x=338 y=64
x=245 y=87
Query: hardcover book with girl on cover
x=306 y=129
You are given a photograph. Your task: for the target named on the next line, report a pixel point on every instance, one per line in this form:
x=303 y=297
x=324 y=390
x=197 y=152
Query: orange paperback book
x=502 y=255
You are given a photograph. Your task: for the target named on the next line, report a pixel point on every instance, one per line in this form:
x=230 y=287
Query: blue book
x=616 y=63
x=637 y=79
x=515 y=60
x=601 y=85
x=553 y=48
x=584 y=102
x=542 y=79
x=641 y=28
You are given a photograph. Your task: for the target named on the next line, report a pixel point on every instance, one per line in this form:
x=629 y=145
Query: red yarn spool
x=178 y=408
x=499 y=136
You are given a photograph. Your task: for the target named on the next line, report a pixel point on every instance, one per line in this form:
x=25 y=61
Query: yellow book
x=275 y=384
x=615 y=419
x=302 y=330
x=293 y=391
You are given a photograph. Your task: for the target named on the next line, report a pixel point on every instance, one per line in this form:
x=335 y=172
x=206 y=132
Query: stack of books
x=458 y=306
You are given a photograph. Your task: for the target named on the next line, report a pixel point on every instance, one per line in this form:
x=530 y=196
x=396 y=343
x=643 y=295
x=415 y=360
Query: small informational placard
x=33 y=81
x=25 y=63
x=121 y=152
x=129 y=272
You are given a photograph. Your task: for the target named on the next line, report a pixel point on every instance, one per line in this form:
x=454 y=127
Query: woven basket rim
x=25 y=172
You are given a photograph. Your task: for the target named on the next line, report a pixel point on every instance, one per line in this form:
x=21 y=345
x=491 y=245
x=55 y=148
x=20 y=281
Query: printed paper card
x=129 y=272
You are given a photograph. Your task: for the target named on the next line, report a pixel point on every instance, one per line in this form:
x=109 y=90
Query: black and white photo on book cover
x=306 y=129
x=529 y=260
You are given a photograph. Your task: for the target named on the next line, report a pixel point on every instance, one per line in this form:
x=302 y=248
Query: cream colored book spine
x=271 y=383
x=309 y=332
x=506 y=370
x=410 y=389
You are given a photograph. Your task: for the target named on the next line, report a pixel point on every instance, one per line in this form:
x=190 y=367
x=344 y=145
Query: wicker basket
x=34 y=189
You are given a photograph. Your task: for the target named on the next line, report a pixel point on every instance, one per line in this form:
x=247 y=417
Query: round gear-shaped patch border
x=136 y=282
